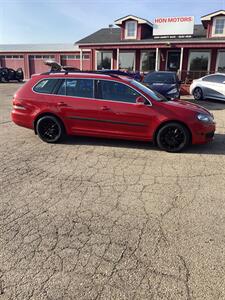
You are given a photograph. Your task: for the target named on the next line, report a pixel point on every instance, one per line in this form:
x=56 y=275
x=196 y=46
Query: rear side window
x=46 y=86
x=77 y=88
x=214 y=78
x=111 y=90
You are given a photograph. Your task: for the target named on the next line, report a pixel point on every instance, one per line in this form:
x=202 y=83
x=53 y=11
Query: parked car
x=7 y=74
x=57 y=104
x=210 y=86
x=165 y=83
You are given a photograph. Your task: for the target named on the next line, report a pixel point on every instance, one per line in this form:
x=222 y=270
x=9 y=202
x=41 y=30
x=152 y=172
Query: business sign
x=173 y=26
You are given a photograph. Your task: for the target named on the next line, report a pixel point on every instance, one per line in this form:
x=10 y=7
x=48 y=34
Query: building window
x=127 y=61
x=104 y=60
x=42 y=57
x=148 y=61
x=219 y=26
x=220 y=67
x=74 y=57
x=198 y=65
x=11 y=56
x=131 y=30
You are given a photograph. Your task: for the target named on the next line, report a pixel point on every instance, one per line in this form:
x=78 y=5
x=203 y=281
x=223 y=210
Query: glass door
x=173 y=61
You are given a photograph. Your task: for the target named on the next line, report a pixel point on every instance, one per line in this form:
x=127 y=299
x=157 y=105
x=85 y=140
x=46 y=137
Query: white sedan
x=210 y=86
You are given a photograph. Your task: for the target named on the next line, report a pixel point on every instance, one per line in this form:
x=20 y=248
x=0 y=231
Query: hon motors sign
x=173 y=26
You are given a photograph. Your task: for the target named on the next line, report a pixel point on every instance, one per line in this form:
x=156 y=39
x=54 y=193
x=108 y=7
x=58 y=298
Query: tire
x=50 y=129
x=198 y=94
x=173 y=137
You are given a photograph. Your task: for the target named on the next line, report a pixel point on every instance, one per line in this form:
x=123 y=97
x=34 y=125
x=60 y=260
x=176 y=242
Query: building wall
x=33 y=65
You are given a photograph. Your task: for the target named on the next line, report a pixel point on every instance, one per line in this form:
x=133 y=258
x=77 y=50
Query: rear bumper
x=203 y=133
x=22 y=119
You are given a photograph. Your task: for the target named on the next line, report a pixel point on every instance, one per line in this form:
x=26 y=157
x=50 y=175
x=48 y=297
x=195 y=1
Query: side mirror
x=140 y=101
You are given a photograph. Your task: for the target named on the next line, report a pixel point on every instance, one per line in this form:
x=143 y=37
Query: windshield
x=167 y=78
x=153 y=94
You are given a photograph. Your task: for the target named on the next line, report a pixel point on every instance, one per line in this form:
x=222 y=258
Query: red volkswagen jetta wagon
x=56 y=104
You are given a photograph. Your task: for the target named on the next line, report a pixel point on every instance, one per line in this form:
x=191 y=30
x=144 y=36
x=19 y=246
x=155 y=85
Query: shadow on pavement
x=216 y=147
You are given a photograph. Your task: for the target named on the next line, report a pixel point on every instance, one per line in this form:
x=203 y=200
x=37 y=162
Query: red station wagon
x=54 y=104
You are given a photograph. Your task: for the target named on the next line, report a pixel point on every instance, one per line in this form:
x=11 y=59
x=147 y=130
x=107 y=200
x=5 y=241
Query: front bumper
x=203 y=133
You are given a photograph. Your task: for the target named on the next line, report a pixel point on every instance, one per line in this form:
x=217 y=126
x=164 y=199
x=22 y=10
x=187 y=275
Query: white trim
x=139 y=20
x=126 y=30
x=117 y=58
x=199 y=50
x=210 y=16
x=157 y=59
x=181 y=41
x=81 y=60
x=181 y=61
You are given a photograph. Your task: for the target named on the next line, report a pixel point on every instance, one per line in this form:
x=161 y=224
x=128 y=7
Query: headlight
x=205 y=118
x=173 y=91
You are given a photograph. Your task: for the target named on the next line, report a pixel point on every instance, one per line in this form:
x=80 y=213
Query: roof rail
x=57 y=68
x=112 y=73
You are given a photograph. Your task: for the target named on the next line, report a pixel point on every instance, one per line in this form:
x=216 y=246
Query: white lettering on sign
x=173 y=26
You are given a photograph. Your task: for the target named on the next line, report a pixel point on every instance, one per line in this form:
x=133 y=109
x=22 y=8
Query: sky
x=67 y=21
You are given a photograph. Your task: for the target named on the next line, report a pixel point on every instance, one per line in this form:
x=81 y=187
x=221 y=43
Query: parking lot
x=109 y=219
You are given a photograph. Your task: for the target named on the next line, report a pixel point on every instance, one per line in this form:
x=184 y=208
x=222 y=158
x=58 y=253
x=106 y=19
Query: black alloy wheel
x=197 y=93
x=50 y=129
x=173 y=137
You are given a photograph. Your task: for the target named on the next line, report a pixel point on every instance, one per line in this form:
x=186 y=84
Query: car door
x=77 y=106
x=119 y=113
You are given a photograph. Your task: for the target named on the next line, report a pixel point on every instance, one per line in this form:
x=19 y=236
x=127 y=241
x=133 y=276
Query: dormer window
x=218 y=28
x=131 y=30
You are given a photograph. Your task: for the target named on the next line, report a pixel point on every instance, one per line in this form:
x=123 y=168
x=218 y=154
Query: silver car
x=210 y=86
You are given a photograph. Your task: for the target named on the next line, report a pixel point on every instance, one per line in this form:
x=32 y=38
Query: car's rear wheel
x=50 y=129
x=173 y=137
x=197 y=93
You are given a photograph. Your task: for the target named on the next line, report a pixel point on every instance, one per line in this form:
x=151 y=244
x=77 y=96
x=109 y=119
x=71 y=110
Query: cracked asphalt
x=104 y=219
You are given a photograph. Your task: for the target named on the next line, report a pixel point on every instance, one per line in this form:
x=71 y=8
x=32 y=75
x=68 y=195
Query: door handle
x=105 y=108
x=62 y=104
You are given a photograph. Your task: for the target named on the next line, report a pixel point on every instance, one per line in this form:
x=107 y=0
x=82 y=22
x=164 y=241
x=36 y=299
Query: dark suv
x=165 y=83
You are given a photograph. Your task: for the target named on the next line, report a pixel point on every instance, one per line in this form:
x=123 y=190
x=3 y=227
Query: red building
x=31 y=57
x=173 y=43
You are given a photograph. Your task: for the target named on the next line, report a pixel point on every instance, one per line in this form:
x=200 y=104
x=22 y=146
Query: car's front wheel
x=197 y=93
x=173 y=137
x=50 y=129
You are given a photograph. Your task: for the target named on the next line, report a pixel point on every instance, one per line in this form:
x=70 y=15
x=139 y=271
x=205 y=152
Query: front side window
x=148 y=61
x=104 y=60
x=127 y=61
x=115 y=91
x=221 y=62
x=131 y=29
x=46 y=86
x=153 y=94
x=219 y=26
x=77 y=88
